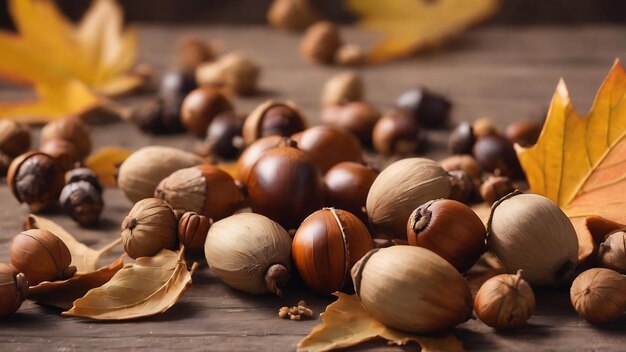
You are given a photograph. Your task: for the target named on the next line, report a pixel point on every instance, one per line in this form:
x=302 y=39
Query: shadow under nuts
x=531 y=233
x=286 y=186
x=204 y=189
x=149 y=227
x=249 y=252
x=505 y=301
x=598 y=295
x=423 y=293
x=13 y=290
x=326 y=246
x=41 y=256
x=397 y=190
x=450 y=229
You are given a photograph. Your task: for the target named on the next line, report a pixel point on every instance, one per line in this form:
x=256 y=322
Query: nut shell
x=204 y=189
x=356 y=117
x=412 y=289
x=346 y=187
x=233 y=71
x=36 y=179
x=13 y=290
x=343 y=88
x=450 y=229
x=326 y=246
x=73 y=130
x=15 y=138
x=273 y=118
x=612 y=252
x=251 y=154
x=192 y=231
x=531 y=233
x=82 y=201
x=495 y=152
x=63 y=151
x=397 y=190
x=328 y=146
x=142 y=171
x=199 y=108
x=320 y=42
x=149 y=227
x=505 y=301
x=598 y=295
x=41 y=256
x=396 y=133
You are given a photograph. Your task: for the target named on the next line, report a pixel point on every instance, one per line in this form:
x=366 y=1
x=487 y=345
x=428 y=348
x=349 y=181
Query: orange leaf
x=62 y=294
x=346 y=323
x=67 y=65
x=580 y=161
x=105 y=162
x=411 y=25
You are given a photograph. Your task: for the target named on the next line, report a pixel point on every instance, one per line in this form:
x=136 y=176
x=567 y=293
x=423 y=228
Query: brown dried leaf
x=145 y=288
x=84 y=258
x=346 y=323
x=105 y=163
x=63 y=293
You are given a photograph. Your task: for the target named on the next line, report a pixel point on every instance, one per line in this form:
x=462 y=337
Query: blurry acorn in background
x=273 y=118
x=191 y=51
x=15 y=138
x=200 y=107
x=612 y=252
x=291 y=15
x=357 y=117
x=320 y=42
x=428 y=109
x=63 y=151
x=496 y=154
x=461 y=139
x=234 y=72
x=223 y=138
x=328 y=146
x=81 y=198
x=484 y=127
x=524 y=133
x=71 y=129
x=465 y=163
x=343 y=88
x=395 y=133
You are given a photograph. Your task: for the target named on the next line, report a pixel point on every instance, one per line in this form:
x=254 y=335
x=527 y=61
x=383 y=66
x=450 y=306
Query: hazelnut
x=63 y=151
x=350 y=55
x=193 y=51
x=320 y=42
x=505 y=301
x=291 y=15
x=234 y=71
x=149 y=227
x=15 y=138
x=612 y=253
x=36 y=179
x=495 y=152
x=461 y=139
x=463 y=187
x=71 y=129
x=223 y=138
x=396 y=133
x=343 y=88
x=82 y=201
x=200 y=107
x=524 y=133
x=346 y=187
x=41 y=256
x=430 y=110
x=449 y=228
x=273 y=118
x=483 y=127
x=496 y=187
x=358 y=118
x=465 y=163
x=192 y=231
x=13 y=290
x=598 y=295
x=328 y=146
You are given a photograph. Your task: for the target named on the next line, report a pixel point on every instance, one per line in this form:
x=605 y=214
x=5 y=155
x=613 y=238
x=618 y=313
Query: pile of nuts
x=298 y=312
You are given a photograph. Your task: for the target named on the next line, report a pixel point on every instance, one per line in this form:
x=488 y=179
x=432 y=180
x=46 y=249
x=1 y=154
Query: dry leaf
x=411 y=25
x=84 y=258
x=105 y=163
x=148 y=287
x=346 y=323
x=580 y=161
x=67 y=65
x=62 y=294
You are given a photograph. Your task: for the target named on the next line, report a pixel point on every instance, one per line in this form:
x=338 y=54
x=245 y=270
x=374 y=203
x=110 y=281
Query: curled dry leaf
x=84 y=258
x=411 y=25
x=63 y=293
x=145 y=288
x=105 y=163
x=80 y=61
x=580 y=161
x=346 y=323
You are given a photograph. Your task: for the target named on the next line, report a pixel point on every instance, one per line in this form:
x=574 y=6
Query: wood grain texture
x=504 y=73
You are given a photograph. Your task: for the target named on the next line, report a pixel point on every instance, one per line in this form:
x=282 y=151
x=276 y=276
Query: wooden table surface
x=506 y=73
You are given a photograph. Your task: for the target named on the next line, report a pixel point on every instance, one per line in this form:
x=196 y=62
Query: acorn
x=273 y=118
x=328 y=146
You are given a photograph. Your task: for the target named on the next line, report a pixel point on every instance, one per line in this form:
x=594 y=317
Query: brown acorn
x=328 y=146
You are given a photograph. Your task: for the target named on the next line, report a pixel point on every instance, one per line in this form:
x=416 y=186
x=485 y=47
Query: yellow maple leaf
x=105 y=163
x=346 y=323
x=68 y=65
x=580 y=161
x=411 y=25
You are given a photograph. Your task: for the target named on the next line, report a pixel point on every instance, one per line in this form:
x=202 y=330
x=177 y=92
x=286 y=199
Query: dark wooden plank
x=503 y=73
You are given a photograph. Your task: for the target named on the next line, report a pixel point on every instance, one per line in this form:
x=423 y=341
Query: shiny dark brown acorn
x=285 y=185
x=328 y=146
x=82 y=199
x=462 y=139
x=497 y=153
x=223 y=138
x=200 y=107
x=396 y=133
x=357 y=117
x=347 y=185
x=428 y=109
x=326 y=246
x=524 y=133
x=449 y=228
x=253 y=152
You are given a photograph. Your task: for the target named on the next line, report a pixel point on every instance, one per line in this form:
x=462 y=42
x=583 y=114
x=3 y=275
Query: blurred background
x=512 y=12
